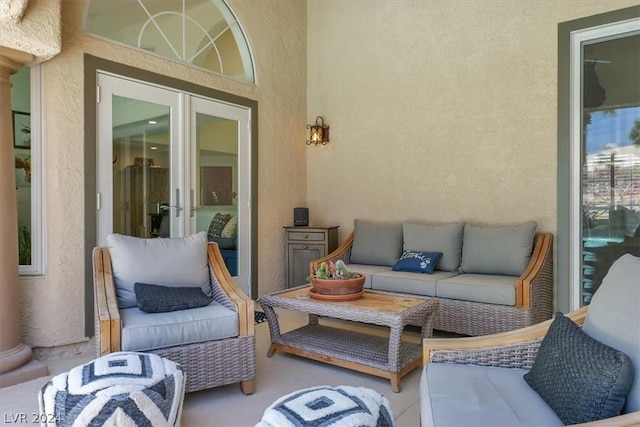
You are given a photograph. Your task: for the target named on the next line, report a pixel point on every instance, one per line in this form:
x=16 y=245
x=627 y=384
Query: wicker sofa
x=470 y=303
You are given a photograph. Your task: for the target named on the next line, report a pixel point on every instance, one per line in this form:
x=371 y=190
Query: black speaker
x=301 y=216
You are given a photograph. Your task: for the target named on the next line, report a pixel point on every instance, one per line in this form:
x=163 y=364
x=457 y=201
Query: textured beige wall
x=52 y=305
x=439 y=110
x=34 y=29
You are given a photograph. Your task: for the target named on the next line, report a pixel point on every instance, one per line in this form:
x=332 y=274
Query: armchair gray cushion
x=180 y=262
x=160 y=299
x=149 y=331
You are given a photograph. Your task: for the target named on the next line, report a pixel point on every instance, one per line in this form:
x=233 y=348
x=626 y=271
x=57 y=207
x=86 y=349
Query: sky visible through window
x=610 y=128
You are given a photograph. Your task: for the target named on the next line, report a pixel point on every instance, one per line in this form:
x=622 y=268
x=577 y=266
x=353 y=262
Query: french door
x=170 y=164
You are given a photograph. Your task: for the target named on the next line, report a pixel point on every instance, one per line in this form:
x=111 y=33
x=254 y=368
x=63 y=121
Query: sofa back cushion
x=614 y=318
x=178 y=262
x=376 y=243
x=436 y=238
x=497 y=250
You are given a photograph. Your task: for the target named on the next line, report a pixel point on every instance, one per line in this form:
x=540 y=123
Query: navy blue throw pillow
x=161 y=299
x=580 y=378
x=417 y=262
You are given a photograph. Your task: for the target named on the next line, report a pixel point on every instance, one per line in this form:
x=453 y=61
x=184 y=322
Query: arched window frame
x=232 y=24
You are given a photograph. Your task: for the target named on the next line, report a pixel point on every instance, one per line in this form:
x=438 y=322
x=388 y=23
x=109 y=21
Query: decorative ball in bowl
x=334 y=279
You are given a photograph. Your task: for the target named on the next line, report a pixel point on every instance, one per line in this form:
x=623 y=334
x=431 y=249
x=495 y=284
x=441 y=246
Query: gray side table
x=306 y=244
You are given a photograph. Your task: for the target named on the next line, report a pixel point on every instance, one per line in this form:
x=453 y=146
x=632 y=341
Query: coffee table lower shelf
x=349 y=349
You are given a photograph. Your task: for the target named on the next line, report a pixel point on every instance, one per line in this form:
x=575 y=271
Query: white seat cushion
x=468 y=395
x=614 y=317
x=147 y=331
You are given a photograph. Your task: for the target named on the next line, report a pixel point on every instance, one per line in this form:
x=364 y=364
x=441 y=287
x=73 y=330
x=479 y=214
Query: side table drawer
x=301 y=235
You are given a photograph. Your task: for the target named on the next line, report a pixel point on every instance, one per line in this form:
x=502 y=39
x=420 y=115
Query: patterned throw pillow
x=160 y=299
x=417 y=262
x=217 y=224
x=581 y=379
x=231 y=229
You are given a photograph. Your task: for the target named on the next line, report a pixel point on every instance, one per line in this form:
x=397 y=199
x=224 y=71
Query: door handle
x=177 y=205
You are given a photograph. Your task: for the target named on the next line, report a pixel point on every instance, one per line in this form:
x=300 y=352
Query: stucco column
x=16 y=364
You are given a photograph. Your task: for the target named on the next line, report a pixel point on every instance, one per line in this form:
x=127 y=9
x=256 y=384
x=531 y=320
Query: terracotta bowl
x=338 y=287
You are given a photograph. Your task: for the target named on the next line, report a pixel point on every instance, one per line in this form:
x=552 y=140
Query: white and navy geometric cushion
x=119 y=389
x=324 y=406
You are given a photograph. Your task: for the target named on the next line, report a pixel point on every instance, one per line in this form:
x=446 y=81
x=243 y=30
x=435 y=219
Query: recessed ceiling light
x=153 y=148
x=152 y=122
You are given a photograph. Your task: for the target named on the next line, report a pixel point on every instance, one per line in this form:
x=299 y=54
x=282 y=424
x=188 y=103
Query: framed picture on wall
x=21 y=129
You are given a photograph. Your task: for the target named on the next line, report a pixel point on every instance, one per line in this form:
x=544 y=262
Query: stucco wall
x=52 y=305
x=439 y=110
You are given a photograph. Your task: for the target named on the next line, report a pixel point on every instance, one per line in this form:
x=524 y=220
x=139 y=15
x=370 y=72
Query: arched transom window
x=202 y=33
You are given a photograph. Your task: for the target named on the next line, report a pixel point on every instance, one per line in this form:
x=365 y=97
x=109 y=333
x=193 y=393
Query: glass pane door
x=610 y=166
x=138 y=181
x=141 y=170
x=220 y=193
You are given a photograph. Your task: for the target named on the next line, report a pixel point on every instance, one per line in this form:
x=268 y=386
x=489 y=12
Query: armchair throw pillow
x=160 y=299
x=580 y=378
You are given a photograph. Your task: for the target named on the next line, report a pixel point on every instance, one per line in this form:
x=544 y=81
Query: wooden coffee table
x=385 y=357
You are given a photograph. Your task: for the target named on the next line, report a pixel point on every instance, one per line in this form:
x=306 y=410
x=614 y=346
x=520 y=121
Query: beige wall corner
x=38 y=32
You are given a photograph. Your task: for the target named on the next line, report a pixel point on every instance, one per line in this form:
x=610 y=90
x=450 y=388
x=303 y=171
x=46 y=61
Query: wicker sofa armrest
x=108 y=323
x=243 y=304
x=528 y=338
x=342 y=252
x=538 y=273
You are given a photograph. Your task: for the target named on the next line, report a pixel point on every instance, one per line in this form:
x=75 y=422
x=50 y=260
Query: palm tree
x=634 y=134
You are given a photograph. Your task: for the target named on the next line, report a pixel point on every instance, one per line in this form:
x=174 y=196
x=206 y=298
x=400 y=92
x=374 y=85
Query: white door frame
x=183 y=174
x=578 y=38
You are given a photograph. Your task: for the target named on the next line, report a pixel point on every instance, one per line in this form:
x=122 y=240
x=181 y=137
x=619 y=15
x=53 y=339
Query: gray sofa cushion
x=405 y=282
x=497 y=250
x=580 y=378
x=614 y=319
x=376 y=243
x=436 y=238
x=146 y=331
x=485 y=288
x=167 y=262
x=464 y=395
x=367 y=270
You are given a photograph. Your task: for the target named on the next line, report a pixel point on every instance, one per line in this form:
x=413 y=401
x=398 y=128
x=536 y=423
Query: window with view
x=25 y=95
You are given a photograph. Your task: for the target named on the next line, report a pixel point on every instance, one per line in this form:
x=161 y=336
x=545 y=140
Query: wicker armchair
x=206 y=364
x=534 y=296
x=518 y=348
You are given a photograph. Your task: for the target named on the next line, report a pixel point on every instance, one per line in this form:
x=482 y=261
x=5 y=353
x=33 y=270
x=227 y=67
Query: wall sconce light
x=319 y=133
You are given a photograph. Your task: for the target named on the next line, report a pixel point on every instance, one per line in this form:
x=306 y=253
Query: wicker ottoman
x=123 y=389
x=341 y=406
